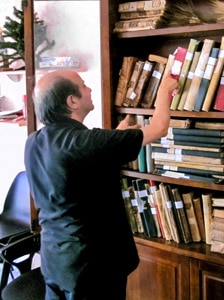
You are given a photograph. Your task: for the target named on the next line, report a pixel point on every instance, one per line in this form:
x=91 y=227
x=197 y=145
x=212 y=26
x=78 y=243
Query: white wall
x=75 y=27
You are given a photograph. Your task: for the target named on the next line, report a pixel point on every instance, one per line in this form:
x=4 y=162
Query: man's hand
x=126 y=124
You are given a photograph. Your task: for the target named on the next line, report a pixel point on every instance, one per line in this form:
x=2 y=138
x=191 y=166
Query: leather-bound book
x=130 y=95
x=206 y=79
x=124 y=78
x=199 y=215
x=190 y=212
x=192 y=47
x=154 y=81
x=142 y=82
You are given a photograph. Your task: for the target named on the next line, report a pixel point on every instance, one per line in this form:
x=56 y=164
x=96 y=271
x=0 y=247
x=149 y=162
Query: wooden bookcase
x=167 y=270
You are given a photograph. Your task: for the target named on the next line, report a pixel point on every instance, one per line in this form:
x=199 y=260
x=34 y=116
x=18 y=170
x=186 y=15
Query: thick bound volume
x=215 y=79
x=141 y=85
x=215 y=140
x=133 y=83
x=165 y=225
x=206 y=79
x=199 y=215
x=192 y=220
x=150 y=228
x=141 y=6
x=128 y=205
x=179 y=57
x=188 y=80
x=154 y=81
x=199 y=72
x=134 y=202
x=124 y=78
x=192 y=47
x=169 y=212
x=194 y=131
x=219 y=102
x=183 y=221
x=207 y=210
x=138 y=24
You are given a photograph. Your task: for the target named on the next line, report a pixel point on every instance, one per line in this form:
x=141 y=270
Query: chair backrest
x=17 y=202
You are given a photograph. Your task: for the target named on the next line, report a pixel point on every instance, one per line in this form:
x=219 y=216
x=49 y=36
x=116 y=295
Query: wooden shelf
x=185 y=31
x=173 y=113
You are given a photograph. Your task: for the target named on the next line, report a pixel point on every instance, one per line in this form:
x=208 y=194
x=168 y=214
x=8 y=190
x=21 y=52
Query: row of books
x=165 y=211
x=139 y=15
x=199 y=69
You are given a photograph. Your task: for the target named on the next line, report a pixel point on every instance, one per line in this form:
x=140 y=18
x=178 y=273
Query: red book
x=219 y=99
x=179 y=54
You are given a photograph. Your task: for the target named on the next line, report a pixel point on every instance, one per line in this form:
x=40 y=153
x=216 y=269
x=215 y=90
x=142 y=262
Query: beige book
x=180 y=123
x=124 y=78
x=215 y=79
x=159 y=202
x=218 y=212
x=199 y=72
x=209 y=125
x=199 y=215
x=188 y=81
x=141 y=6
x=169 y=212
x=207 y=210
x=217 y=235
x=217 y=246
x=192 y=220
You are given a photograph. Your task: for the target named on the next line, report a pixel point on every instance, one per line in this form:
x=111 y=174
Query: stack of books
x=190 y=153
x=139 y=15
x=217 y=225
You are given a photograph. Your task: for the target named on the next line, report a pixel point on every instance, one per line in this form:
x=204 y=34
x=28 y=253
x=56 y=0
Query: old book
x=148 y=152
x=141 y=6
x=218 y=212
x=188 y=80
x=149 y=220
x=136 y=25
x=180 y=123
x=128 y=205
x=216 y=140
x=140 y=14
x=215 y=79
x=206 y=79
x=154 y=81
x=218 y=202
x=134 y=202
x=190 y=212
x=140 y=119
x=186 y=158
x=192 y=47
x=167 y=143
x=165 y=225
x=217 y=235
x=124 y=78
x=207 y=210
x=194 y=131
x=216 y=148
x=179 y=57
x=199 y=73
x=218 y=223
x=169 y=212
x=218 y=101
x=217 y=246
x=187 y=170
x=199 y=215
x=209 y=125
x=188 y=152
x=183 y=221
x=130 y=95
x=139 y=90
x=193 y=165
x=178 y=175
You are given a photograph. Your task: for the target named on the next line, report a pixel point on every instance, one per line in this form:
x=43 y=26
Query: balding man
x=87 y=247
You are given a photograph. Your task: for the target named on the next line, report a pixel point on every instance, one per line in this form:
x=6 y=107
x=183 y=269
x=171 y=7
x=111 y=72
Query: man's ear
x=72 y=102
